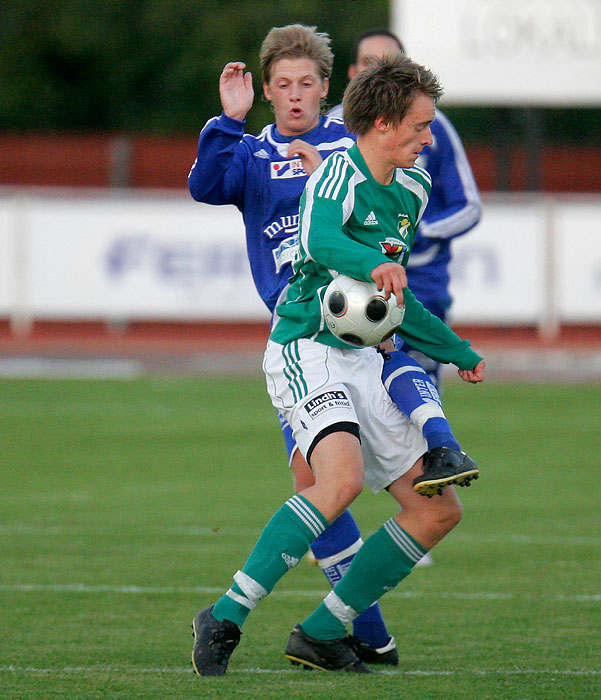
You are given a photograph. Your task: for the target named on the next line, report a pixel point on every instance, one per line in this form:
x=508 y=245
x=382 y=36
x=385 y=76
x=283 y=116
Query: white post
x=21 y=321
x=549 y=322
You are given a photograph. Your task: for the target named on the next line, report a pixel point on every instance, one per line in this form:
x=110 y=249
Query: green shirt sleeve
x=428 y=334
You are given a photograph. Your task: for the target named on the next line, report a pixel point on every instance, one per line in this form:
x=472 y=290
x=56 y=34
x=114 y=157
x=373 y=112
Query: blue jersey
x=255 y=174
x=454 y=208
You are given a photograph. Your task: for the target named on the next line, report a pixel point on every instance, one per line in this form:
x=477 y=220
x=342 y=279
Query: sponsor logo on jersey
x=288 y=224
x=287 y=168
x=403 y=225
x=393 y=247
x=326 y=401
x=371 y=220
x=286 y=252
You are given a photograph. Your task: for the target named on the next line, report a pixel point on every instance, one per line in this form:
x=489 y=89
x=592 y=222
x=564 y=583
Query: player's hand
x=473 y=375
x=391 y=278
x=309 y=155
x=236 y=90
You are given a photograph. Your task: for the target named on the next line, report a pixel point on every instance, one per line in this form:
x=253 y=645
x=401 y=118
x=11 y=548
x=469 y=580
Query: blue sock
x=416 y=396
x=334 y=550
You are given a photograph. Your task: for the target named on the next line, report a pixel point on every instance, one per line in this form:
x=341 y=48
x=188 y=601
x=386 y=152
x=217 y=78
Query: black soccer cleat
x=443 y=467
x=330 y=655
x=385 y=656
x=214 y=642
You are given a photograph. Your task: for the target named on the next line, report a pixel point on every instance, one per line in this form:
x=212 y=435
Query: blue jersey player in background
x=454 y=207
x=264 y=176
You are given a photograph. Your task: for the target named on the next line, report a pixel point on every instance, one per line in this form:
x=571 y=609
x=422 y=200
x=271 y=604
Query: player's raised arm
x=236 y=90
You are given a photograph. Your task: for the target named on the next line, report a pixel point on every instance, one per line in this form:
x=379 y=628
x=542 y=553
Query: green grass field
x=126 y=506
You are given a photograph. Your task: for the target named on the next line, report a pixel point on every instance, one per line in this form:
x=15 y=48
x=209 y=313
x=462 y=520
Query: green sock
x=283 y=542
x=386 y=558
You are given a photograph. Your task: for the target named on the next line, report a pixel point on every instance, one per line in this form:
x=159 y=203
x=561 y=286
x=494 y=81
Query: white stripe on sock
x=339 y=609
x=403 y=541
x=402 y=370
x=335 y=558
x=240 y=599
x=252 y=589
x=424 y=412
x=306 y=515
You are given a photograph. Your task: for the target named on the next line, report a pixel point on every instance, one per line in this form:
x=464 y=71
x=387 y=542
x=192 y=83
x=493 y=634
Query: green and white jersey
x=350 y=223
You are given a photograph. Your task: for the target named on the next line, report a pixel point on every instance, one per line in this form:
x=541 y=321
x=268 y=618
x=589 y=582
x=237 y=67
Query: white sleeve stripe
x=328 y=176
x=210 y=121
x=425 y=258
x=331 y=186
x=336 y=175
x=304 y=225
x=459 y=222
x=341 y=180
x=468 y=216
x=344 y=142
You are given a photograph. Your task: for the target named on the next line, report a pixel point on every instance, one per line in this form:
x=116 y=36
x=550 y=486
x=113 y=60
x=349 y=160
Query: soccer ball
x=357 y=313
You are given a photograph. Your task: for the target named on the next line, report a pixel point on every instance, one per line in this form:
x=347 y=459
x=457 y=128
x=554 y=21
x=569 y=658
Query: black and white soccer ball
x=357 y=313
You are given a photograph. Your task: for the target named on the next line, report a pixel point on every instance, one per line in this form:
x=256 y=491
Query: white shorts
x=315 y=386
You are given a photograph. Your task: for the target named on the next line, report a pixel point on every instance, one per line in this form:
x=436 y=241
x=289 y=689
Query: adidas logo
x=371 y=220
x=291 y=562
x=262 y=153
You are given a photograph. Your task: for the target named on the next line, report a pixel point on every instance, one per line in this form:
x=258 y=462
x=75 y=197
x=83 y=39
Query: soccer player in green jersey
x=359 y=215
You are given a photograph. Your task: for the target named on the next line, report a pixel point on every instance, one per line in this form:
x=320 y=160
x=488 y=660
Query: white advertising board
x=578 y=261
x=8 y=256
x=498 y=269
x=531 y=260
x=507 y=52
x=138 y=258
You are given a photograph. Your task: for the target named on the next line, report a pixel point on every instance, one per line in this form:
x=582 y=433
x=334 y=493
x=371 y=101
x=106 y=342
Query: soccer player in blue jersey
x=264 y=177
x=346 y=425
x=454 y=207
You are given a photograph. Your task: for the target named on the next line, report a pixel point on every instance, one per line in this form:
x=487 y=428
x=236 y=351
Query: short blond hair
x=296 y=41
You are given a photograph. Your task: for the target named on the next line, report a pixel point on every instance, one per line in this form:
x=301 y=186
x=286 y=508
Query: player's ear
x=352 y=71
x=325 y=86
x=381 y=124
x=267 y=91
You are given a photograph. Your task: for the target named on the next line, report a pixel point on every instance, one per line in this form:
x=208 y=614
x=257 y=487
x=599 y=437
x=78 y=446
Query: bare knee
x=337 y=464
x=337 y=497
x=428 y=522
x=349 y=490
x=448 y=516
x=442 y=517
